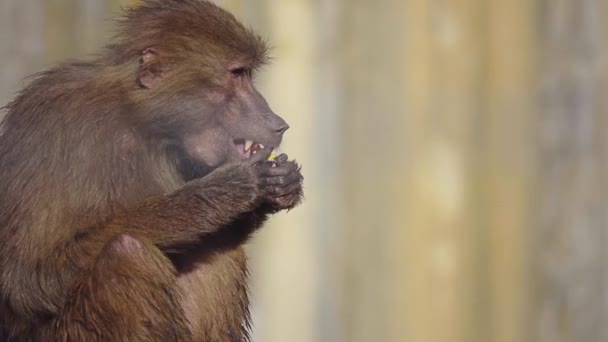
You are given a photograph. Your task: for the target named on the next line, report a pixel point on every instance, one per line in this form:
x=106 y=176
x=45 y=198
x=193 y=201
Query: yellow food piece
x=272 y=157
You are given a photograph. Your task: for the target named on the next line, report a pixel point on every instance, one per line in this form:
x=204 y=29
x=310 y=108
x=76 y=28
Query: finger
x=278 y=169
x=280 y=191
x=282 y=158
x=273 y=171
x=291 y=177
x=261 y=156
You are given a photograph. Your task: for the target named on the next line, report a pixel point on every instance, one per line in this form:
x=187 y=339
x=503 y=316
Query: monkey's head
x=190 y=81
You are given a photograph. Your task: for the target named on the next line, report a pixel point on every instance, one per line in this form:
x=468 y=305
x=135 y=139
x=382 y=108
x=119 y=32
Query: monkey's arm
x=224 y=207
x=181 y=220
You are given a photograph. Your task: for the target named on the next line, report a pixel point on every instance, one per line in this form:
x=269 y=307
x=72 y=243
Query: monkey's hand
x=279 y=181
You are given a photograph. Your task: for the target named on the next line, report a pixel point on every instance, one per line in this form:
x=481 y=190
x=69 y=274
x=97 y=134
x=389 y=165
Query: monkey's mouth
x=247 y=148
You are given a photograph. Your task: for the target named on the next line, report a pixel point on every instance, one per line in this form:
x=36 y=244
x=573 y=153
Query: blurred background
x=455 y=157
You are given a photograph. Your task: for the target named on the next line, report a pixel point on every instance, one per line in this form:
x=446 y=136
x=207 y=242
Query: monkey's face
x=238 y=122
x=211 y=112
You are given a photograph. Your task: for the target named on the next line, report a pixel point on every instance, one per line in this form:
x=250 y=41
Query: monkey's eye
x=241 y=72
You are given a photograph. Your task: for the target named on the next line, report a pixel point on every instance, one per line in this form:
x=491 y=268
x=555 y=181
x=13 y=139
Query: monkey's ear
x=150 y=71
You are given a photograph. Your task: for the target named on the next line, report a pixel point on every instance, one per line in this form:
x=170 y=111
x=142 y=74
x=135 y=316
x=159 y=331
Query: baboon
x=130 y=181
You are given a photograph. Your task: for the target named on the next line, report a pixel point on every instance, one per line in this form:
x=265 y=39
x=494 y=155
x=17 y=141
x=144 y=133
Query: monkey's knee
x=127 y=255
x=125 y=243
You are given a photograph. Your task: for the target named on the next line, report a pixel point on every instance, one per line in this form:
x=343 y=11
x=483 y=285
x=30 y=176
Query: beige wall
x=455 y=158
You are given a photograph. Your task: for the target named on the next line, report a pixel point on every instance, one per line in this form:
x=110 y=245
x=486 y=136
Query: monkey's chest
x=215 y=297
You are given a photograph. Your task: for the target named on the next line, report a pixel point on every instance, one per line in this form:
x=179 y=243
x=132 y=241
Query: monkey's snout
x=282 y=129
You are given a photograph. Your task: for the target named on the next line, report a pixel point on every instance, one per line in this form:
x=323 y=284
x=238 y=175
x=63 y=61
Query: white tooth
x=261 y=146
x=248 y=144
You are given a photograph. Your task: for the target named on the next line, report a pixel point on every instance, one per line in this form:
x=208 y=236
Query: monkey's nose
x=276 y=123
x=282 y=129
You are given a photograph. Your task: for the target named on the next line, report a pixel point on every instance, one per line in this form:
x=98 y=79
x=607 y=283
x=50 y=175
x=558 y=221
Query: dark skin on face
x=129 y=184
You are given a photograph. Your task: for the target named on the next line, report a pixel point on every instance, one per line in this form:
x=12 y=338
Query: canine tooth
x=248 y=144
x=261 y=146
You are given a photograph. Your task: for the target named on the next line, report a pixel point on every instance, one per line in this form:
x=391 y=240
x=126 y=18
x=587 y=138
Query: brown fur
x=123 y=208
